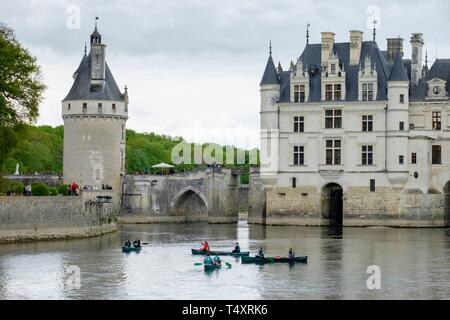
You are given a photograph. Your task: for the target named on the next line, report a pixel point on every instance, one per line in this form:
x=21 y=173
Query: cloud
x=196 y=62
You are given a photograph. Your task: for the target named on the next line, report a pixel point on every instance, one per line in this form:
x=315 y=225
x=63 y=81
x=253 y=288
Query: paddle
x=201 y=263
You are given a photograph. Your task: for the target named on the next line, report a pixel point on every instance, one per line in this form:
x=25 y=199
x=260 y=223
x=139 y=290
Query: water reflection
x=414 y=264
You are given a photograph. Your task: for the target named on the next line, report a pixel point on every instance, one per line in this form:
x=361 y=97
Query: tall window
x=367 y=92
x=401 y=159
x=114 y=107
x=299 y=124
x=299 y=155
x=333 y=119
x=436 y=155
x=84 y=106
x=328 y=92
x=413 y=158
x=333 y=152
x=100 y=106
x=337 y=92
x=436 y=120
x=401 y=126
x=402 y=98
x=367 y=123
x=299 y=93
x=367 y=155
x=294 y=182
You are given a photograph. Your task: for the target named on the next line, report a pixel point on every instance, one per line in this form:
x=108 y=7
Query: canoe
x=221 y=253
x=303 y=259
x=130 y=249
x=211 y=267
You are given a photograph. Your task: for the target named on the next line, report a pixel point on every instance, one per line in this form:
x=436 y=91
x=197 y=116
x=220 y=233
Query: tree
x=21 y=90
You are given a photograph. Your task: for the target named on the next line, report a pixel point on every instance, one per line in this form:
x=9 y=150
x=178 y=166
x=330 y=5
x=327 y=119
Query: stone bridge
x=211 y=195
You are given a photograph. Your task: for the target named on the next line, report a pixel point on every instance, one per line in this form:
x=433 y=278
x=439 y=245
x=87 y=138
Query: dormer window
x=337 y=92
x=84 y=106
x=299 y=93
x=328 y=92
x=114 y=107
x=367 y=92
x=68 y=106
x=299 y=83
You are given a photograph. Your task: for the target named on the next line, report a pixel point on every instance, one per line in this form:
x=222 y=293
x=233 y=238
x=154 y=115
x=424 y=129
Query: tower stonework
x=416 y=58
x=95 y=112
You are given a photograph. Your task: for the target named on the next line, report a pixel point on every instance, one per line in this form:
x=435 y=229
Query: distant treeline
x=42 y=151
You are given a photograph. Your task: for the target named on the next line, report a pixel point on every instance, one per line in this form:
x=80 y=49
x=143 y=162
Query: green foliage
x=40 y=189
x=53 y=191
x=62 y=189
x=16 y=187
x=42 y=151
x=20 y=91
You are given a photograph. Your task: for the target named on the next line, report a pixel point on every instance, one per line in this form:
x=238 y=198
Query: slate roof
x=398 y=72
x=440 y=69
x=270 y=75
x=311 y=58
x=82 y=89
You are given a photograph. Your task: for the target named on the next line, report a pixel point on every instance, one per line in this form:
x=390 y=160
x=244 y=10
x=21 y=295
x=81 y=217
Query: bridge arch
x=189 y=201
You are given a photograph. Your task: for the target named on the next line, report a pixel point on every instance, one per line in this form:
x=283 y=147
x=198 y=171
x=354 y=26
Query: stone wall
x=385 y=207
x=52 y=180
x=44 y=218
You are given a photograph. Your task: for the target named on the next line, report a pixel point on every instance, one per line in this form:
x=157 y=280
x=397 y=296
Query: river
x=413 y=264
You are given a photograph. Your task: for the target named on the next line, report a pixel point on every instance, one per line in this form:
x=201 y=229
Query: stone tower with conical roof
x=95 y=112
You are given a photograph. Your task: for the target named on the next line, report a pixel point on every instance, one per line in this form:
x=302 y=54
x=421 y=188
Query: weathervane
x=270 y=47
x=374 y=29
x=307 y=33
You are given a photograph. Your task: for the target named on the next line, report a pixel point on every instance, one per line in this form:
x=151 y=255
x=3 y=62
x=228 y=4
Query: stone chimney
x=356 y=39
x=394 y=46
x=416 y=57
x=327 y=45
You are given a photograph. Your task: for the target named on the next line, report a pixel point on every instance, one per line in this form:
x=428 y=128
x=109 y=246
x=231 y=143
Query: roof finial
x=270 y=47
x=85 y=48
x=96 y=19
x=307 y=33
x=374 y=29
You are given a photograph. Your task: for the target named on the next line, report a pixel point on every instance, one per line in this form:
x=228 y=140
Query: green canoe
x=221 y=253
x=211 y=267
x=131 y=249
x=303 y=259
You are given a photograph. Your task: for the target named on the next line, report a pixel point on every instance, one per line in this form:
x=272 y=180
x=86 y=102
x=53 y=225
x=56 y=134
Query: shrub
x=16 y=187
x=53 y=191
x=39 y=189
x=62 y=189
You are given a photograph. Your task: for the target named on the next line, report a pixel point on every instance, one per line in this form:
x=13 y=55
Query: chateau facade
x=354 y=135
x=95 y=112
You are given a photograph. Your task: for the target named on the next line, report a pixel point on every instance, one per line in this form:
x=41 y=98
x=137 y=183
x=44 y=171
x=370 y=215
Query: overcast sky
x=193 y=67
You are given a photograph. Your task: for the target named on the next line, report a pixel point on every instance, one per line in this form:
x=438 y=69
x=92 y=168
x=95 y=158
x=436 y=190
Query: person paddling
x=205 y=246
x=237 y=248
x=217 y=261
x=291 y=254
x=208 y=261
x=127 y=243
x=260 y=253
x=137 y=243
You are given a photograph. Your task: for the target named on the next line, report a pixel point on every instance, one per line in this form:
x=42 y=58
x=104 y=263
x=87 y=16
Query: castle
x=95 y=112
x=352 y=135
